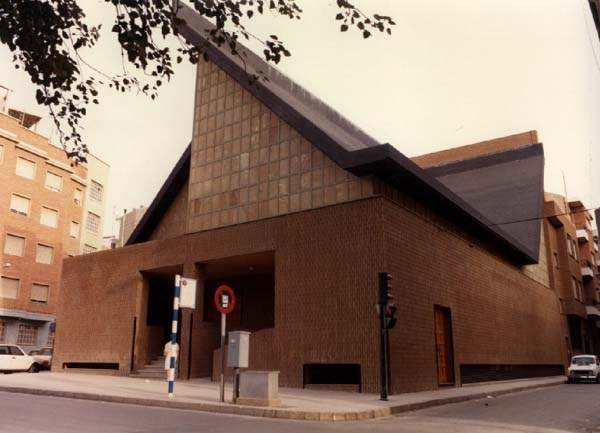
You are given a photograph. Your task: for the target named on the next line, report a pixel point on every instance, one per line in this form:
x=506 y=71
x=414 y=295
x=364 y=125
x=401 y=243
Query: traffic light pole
x=383 y=354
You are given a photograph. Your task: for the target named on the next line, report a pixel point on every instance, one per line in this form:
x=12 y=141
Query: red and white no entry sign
x=225 y=299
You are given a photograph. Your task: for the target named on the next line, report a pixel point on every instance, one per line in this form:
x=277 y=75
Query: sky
x=452 y=73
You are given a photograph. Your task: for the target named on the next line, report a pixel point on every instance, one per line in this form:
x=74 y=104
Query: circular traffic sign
x=225 y=299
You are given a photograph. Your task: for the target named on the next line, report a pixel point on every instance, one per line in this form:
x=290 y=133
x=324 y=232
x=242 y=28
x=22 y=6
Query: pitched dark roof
x=339 y=139
x=506 y=187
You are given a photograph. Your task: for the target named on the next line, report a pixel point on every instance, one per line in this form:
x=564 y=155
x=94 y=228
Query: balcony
x=582 y=235
x=592 y=311
x=586 y=272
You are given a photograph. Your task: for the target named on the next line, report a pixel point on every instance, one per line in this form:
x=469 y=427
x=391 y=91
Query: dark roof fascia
x=391 y=166
x=163 y=199
x=259 y=89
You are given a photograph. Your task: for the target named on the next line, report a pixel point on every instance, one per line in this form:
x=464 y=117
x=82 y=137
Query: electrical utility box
x=238 y=349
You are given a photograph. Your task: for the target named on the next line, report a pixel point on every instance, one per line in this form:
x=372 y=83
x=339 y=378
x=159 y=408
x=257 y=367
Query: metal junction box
x=238 y=348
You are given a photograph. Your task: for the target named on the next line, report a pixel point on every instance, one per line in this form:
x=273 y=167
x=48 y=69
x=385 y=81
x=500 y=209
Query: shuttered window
x=39 y=293
x=74 y=230
x=49 y=217
x=19 y=204
x=2 y=332
x=53 y=181
x=44 y=254
x=9 y=288
x=27 y=335
x=25 y=168
x=14 y=245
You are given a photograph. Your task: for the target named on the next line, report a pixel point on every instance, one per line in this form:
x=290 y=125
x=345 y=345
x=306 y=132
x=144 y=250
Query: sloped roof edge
x=163 y=199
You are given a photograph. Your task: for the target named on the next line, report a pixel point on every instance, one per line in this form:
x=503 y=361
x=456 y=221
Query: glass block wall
x=248 y=164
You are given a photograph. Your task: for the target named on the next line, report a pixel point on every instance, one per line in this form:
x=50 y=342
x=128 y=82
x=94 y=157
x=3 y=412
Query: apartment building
x=42 y=220
x=565 y=272
x=587 y=255
x=95 y=205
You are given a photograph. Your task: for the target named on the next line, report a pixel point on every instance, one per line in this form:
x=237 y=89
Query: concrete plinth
x=259 y=388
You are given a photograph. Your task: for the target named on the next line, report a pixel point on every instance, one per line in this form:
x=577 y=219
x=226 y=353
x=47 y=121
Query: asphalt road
x=572 y=408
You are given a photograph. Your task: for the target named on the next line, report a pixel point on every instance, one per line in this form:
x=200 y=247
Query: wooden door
x=443 y=345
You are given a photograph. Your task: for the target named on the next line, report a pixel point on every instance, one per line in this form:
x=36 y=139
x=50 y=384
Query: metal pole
x=222 y=384
x=382 y=354
x=172 y=356
x=236 y=385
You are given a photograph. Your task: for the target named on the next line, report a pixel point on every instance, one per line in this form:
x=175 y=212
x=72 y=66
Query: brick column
x=188 y=316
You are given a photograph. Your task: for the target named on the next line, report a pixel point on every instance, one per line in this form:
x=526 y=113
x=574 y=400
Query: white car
x=584 y=367
x=43 y=357
x=12 y=358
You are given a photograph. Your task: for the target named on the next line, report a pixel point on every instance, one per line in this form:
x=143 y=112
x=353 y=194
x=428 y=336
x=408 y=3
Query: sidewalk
x=300 y=404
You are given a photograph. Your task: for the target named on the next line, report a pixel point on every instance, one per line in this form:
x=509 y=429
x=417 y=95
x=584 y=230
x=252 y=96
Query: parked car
x=43 y=357
x=12 y=358
x=584 y=367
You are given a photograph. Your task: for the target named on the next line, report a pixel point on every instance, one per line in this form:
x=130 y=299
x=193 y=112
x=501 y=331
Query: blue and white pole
x=172 y=355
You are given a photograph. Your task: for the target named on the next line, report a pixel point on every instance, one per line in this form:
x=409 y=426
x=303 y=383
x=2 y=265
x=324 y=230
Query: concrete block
x=259 y=388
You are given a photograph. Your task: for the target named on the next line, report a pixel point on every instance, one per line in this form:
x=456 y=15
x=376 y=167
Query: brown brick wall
x=173 y=223
x=499 y=315
x=101 y=294
x=323 y=301
x=326 y=264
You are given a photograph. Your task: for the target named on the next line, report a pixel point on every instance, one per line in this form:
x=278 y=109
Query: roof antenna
x=567 y=208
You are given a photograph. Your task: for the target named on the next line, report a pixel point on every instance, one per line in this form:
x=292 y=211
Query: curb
x=278 y=413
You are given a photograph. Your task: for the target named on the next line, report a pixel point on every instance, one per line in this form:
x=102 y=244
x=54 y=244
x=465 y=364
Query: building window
x=44 y=254
x=575 y=250
x=575 y=288
x=96 y=191
x=555 y=259
x=25 y=168
x=570 y=245
x=49 y=217
x=27 y=335
x=1 y=153
x=9 y=288
x=74 y=229
x=19 y=204
x=88 y=249
x=39 y=293
x=78 y=197
x=92 y=222
x=53 y=182
x=14 y=245
x=2 y=332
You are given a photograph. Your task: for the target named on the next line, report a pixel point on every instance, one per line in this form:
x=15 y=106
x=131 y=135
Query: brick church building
x=298 y=210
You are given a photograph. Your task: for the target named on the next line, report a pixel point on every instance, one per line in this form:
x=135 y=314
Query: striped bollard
x=172 y=358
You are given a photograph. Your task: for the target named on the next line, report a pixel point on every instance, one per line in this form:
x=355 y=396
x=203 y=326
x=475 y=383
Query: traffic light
x=390 y=316
x=385 y=287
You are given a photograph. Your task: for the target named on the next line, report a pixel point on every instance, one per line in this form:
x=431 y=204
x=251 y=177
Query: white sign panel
x=187 y=298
